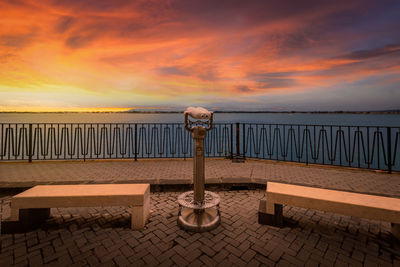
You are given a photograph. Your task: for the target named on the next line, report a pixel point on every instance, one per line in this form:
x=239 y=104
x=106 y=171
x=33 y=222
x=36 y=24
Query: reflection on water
x=278 y=118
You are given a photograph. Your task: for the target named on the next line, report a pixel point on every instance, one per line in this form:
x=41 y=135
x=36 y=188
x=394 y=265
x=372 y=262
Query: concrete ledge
x=242 y=180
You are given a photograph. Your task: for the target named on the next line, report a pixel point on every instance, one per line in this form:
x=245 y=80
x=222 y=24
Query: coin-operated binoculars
x=198 y=209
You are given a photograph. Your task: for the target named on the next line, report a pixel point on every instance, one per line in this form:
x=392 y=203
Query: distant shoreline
x=216 y=111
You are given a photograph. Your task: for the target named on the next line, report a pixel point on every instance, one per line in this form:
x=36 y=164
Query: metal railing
x=352 y=146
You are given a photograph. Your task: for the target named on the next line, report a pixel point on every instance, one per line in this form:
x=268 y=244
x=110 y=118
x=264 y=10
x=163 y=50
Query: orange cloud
x=128 y=53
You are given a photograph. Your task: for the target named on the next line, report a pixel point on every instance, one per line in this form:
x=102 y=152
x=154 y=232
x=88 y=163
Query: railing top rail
x=317 y=125
x=100 y=123
x=181 y=123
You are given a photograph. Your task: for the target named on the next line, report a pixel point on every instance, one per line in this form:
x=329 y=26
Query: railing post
x=30 y=143
x=237 y=140
x=231 y=141
x=389 y=150
x=84 y=142
x=244 y=141
x=306 y=133
x=135 y=141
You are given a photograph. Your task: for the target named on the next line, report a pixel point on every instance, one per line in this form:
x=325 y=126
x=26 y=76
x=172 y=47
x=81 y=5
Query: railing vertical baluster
x=276 y=134
x=306 y=133
x=315 y=146
x=70 y=145
x=109 y=140
x=117 y=141
x=15 y=143
x=135 y=141
x=97 y=145
x=284 y=144
x=237 y=140
x=331 y=155
x=104 y=137
x=122 y=142
x=77 y=141
x=358 y=145
x=38 y=139
x=244 y=141
x=300 y=151
x=84 y=142
x=58 y=146
x=51 y=140
x=65 y=138
x=21 y=142
x=340 y=146
x=270 y=142
x=377 y=139
x=45 y=143
x=291 y=142
x=2 y=142
x=8 y=141
x=323 y=146
x=369 y=157
x=15 y=150
x=389 y=149
x=349 y=146
x=231 y=141
x=30 y=143
x=90 y=141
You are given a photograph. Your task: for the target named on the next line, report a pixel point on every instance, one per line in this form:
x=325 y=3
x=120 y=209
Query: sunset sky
x=269 y=55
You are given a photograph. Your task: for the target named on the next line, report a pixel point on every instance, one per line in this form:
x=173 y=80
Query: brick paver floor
x=101 y=236
x=181 y=172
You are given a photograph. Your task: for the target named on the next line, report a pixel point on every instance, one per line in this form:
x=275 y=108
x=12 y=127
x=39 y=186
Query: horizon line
x=395 y=111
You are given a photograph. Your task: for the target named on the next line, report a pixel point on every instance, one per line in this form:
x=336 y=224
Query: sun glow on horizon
x=61 y=109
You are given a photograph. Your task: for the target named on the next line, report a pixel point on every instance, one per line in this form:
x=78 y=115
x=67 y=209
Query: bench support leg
x=140 y=215
x=29 y=219
x=275 y=219
x=396 y=230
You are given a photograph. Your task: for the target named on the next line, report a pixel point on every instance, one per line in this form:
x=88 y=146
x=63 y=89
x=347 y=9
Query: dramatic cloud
x=243 y=88
x=17 y=41
x=173 y=70
x=377 y=52
x=64 y=23
x=101 y=53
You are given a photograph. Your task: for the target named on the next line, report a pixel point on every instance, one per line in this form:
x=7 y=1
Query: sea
x=346 y=119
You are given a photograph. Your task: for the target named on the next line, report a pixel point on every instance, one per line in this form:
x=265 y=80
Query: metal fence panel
x=352 y=146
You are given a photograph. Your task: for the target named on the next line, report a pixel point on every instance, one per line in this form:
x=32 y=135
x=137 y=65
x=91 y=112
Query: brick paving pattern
x=181 y=172
x=101 y=236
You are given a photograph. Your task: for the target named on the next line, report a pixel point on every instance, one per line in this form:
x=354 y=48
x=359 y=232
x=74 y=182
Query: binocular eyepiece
x=203 y=117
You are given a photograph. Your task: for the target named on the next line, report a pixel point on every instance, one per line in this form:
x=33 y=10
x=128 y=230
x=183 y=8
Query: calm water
x=323 y=119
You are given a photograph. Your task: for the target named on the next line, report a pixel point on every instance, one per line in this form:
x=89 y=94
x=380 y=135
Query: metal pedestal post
x=198 y=209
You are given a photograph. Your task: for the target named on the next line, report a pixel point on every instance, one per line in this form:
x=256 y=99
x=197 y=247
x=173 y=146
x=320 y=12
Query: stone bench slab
x=346 y=203
x=33 y=201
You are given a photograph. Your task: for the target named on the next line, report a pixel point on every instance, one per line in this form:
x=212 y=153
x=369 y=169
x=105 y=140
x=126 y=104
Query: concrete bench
x=346 y=203
x=30 y=208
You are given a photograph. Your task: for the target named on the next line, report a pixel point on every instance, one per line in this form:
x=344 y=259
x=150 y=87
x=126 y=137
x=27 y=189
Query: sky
x=79 y=55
